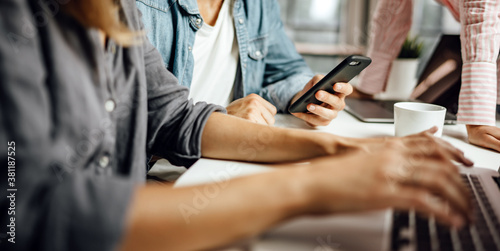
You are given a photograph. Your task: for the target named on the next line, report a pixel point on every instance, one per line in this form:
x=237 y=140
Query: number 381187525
x=11 y=153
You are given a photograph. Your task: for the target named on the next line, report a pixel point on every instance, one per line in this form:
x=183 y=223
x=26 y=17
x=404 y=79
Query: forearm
x=209 y=216
x=227 y=137
x=480 y=46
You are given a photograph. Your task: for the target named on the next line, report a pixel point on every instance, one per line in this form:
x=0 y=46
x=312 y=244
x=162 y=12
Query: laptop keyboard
x=413 y=232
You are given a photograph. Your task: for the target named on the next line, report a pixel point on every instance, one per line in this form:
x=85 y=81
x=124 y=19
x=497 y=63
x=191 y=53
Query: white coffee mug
x=413 y=117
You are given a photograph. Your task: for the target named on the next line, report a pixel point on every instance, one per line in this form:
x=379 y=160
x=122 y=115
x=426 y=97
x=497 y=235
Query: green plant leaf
x=412 y=48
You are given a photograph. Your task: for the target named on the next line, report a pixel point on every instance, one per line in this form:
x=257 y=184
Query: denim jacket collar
x=190 y=6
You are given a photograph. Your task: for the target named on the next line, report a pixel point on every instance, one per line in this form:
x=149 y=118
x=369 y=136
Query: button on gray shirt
x=82 y=118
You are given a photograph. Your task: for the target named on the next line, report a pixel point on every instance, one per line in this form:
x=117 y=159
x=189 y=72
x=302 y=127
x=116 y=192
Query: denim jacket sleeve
x=286 y=72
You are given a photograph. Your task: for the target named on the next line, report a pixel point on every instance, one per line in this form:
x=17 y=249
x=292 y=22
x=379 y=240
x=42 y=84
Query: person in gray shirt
x=84 y=98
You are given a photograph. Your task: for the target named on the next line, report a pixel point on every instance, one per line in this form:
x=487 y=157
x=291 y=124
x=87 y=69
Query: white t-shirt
x=215 y=62
x=215 y=54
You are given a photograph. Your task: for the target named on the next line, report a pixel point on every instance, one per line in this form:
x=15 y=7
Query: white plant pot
x=402 y=79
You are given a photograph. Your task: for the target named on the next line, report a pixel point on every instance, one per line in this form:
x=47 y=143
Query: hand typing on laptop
x=398 y=175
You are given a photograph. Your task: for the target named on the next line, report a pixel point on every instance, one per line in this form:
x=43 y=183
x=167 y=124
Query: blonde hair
x=104 y=15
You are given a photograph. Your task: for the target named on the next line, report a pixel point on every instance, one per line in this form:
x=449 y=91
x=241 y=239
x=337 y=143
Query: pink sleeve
x=389 y=28
x=480 y=39
x=498 y=81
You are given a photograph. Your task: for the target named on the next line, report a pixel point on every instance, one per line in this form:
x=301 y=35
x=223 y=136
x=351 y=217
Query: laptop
x=391 y=230
x=410 y=230
x=439 y=83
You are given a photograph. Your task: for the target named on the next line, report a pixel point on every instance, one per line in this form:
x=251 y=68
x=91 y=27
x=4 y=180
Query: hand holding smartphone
x=344 y=72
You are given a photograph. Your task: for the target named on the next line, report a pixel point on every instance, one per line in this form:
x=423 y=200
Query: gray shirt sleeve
x=66 y=203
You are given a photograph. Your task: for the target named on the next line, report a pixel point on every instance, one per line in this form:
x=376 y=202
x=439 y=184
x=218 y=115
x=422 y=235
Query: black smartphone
x=344 y=72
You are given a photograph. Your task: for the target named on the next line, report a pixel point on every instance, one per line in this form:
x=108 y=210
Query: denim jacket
x=269 y=63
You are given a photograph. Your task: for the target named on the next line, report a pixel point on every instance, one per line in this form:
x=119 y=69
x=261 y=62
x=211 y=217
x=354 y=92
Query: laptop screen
x=439 y=82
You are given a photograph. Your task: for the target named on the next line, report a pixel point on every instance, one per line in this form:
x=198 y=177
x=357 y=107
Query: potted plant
x=403 y=76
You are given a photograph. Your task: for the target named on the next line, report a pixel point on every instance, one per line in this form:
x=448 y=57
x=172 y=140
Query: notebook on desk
x=388 y=230
x=439 y=83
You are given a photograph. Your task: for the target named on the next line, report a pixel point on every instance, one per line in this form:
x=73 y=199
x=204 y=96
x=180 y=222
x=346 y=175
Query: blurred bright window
x=335 y=28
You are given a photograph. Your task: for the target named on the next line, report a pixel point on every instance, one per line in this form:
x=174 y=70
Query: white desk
x=342 y=236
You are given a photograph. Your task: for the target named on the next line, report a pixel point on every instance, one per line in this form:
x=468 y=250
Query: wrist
x=330 y=144
x=311 y=189
x=335 y=145
x=287 y=193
